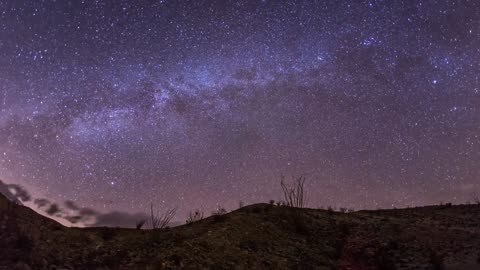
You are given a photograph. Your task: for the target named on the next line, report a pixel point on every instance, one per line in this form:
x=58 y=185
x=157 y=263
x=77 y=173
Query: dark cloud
x=41 y=203
x=87 y=212
x=14 y=192
x=71 y=205
x=74 y=219
x=119 y=219
x=53 y=210
x=72 y=212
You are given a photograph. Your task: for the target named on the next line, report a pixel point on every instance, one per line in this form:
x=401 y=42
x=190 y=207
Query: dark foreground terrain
x=260 y=236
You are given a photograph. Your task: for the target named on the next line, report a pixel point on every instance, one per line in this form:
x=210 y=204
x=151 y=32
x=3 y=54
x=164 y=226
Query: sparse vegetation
x=161 y=220
x=302 y=238
x=140 y=224
x=194 y=216
x=219 y=214
x=294 y=193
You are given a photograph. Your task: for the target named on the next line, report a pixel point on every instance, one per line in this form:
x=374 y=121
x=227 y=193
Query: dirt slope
x=260 y=236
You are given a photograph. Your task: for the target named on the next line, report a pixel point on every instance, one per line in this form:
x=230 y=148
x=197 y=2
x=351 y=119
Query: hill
x=260 y=236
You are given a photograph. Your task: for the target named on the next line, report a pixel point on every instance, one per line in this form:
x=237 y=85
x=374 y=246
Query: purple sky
x=195 y=104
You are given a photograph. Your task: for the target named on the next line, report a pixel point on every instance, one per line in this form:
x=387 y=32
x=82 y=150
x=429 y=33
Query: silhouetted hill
x=258 y=236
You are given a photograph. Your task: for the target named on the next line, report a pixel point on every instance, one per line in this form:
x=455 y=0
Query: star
x=123 y=105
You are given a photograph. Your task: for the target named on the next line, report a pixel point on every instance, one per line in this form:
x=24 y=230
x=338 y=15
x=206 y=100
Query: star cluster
x=196 y=104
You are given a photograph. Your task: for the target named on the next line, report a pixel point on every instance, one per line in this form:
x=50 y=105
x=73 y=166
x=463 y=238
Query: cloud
x=72 y=212
x=87 y=212
x=74 y=219
x=119 y=219
x=41 y=203
x=53 y=209
x=14 y=192
x=71 y=205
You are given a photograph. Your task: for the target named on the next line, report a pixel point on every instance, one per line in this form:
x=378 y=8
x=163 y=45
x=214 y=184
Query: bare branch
x=161 y=220
x=294 y=193
x=195 y=216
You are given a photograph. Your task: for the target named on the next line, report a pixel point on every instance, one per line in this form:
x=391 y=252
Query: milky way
x=200 y=104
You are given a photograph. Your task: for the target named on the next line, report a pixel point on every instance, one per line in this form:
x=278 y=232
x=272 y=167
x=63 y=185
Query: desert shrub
x=107 y=233
x=294 y=193
x=343 y=209
x=194 y=216
x=161 y=220
x=219 y=214
x=140 y=224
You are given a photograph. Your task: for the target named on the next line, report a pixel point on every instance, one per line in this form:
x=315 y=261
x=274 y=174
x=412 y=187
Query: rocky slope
x=260 y=236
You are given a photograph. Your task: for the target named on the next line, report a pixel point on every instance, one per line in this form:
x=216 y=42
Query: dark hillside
x=260 y=236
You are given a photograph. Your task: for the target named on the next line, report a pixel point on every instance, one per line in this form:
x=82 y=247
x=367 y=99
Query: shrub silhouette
x=294 y=193
x=161 y=220
x=219 y=214
x=194 y=216
x=140 y=224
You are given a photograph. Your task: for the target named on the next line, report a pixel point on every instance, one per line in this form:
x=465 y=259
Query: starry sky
x=113 y=105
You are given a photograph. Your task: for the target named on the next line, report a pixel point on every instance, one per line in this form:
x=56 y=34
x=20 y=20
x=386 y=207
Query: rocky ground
x=260 y=236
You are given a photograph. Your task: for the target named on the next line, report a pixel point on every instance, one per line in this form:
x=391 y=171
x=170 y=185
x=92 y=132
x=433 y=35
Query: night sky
x=113 y=105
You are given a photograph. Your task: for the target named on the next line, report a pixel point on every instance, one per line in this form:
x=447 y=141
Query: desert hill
x=260 y=236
